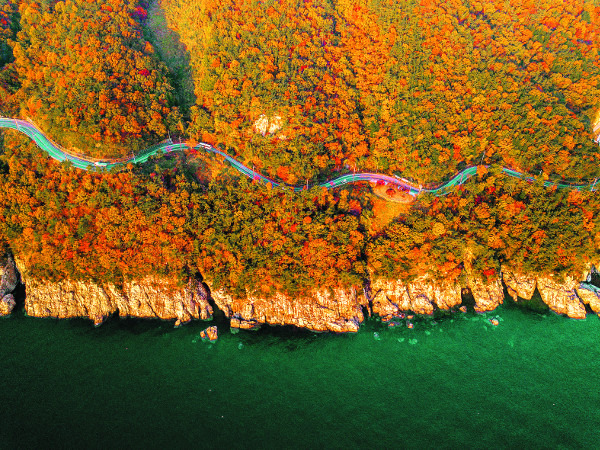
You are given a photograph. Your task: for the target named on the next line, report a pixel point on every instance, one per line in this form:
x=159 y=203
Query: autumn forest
x=301 y=91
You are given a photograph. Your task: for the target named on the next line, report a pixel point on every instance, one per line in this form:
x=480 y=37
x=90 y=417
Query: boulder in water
x=210 y=334
x=7 y=304
x=10 y=277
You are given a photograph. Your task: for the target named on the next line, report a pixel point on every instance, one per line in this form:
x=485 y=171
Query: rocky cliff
x=423 y=295
x=390 y=298
x=338 y=310
x=151 y=297
x=567 y=296
x=147 y=298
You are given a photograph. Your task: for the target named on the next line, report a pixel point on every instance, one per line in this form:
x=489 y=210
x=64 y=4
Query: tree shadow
x=173 y=53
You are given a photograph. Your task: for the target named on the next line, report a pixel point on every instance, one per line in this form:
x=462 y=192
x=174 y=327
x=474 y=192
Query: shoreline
x=339 y=311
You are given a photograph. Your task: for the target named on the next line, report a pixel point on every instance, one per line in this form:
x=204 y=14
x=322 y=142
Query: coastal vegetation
x=301 y=91
x=127 y=225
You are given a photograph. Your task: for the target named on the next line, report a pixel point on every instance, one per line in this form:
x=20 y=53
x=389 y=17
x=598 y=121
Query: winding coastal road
x=60 y=154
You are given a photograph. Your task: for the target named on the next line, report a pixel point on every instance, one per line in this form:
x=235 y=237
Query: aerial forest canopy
x=410 y=87
x=300 y=90
x=89 y=79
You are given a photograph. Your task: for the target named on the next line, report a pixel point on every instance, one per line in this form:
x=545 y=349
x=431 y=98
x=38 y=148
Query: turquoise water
x=530 y=382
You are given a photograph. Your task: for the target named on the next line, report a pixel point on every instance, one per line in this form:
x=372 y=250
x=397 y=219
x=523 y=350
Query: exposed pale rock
x=589 y=295
x=561 y=297
x=148 y=298
x=7 y=304
x=447 y=294
x=243 y=324
x=390 y=298
x=210 y=333
x=338 y=310
x=420 y=296
x=519 y=285
x=487 y=295
x=8 y=283
x=265 y=125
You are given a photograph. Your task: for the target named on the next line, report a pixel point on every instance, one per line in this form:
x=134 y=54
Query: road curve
x=60 y=154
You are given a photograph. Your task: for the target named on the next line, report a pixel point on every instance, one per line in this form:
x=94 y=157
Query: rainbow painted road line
x=60 y=154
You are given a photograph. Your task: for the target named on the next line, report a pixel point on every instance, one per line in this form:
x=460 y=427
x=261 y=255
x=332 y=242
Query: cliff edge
x=149 y=298
x=337 y=310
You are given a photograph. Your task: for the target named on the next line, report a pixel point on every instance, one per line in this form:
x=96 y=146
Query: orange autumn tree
x=420 y=88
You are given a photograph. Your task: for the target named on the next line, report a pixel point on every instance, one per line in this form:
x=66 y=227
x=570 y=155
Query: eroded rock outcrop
x=390 y=298
x=7 y=304
x=488 y=296
x=519 y=285
x=338 y=310
x=10 y=277
x=561 y=297
x=8 y=283
x=588 y=291
x=151 y=297
x=447 y=294
x=589 y=295
x=209 y=334
x=419 y=296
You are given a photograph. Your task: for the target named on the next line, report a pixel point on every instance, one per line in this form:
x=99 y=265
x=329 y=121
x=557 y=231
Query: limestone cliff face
x=561 y=297
x=519 y=285
x=390 y=298
x=419 y=296
x=147 y=298
x=488 y=296
x=589 y=295
x=339 y=310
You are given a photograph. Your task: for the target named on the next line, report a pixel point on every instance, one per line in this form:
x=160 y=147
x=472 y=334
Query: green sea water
x=533 y=381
